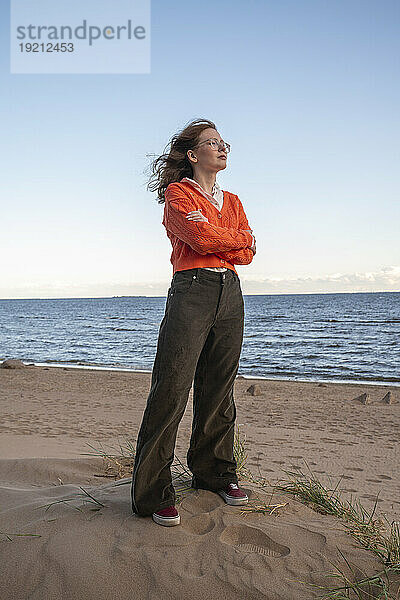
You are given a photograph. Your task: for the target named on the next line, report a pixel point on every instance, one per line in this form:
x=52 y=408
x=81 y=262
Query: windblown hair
x=174 y=164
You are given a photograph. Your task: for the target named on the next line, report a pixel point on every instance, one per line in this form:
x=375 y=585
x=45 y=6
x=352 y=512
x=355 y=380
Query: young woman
x=201 y=333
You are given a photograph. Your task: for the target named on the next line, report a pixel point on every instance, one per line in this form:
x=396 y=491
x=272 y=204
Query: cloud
x=387 y=279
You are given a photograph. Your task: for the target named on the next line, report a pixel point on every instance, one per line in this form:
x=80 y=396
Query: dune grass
x=371 y=532
x=375 y=534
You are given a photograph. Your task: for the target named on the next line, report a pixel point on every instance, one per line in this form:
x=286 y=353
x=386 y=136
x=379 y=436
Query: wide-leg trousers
x=199 y=343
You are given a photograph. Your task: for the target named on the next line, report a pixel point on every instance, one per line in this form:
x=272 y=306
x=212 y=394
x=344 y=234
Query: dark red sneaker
x=232 y=494
x=167 y=516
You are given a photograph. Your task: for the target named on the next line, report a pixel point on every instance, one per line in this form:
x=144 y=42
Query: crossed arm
x=244 y=256
x=231 y=244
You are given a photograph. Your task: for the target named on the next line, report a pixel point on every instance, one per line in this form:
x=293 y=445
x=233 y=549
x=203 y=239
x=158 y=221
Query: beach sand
x=52 y=419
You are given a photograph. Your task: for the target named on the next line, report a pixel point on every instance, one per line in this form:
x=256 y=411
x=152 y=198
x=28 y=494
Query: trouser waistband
x=204 y=274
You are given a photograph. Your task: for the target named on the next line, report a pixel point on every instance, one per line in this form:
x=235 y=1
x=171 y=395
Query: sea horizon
x=331 y=337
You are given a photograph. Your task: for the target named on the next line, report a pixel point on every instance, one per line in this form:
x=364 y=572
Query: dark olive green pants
x=200 y=341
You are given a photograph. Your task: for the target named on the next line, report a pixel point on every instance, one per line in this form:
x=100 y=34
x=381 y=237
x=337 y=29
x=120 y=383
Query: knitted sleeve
x=245 y=255
x=237 y=257
x=202 y=236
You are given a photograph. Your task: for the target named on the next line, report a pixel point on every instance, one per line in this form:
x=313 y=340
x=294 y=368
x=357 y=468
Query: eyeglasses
x=216 y=144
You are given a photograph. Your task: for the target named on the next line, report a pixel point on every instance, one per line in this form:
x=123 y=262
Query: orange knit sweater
x=222 y=241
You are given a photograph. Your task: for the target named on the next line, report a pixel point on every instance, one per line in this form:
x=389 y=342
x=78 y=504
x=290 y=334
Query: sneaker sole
x=232 y=500
x=166 y=521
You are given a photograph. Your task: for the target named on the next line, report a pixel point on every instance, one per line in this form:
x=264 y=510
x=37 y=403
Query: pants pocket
x=182 y=282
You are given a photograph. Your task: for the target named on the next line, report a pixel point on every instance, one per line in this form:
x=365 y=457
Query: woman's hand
x=253 y=247
x=196 y=215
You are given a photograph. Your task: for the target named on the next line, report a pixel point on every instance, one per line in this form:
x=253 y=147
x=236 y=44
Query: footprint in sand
x=200 y=524
x=371 y=497
x=251 y=539
x=201 y=501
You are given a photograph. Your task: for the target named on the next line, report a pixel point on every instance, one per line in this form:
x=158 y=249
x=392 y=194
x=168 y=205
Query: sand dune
x=111 y=553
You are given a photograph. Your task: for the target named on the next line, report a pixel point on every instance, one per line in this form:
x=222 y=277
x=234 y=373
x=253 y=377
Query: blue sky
x=306 y=92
